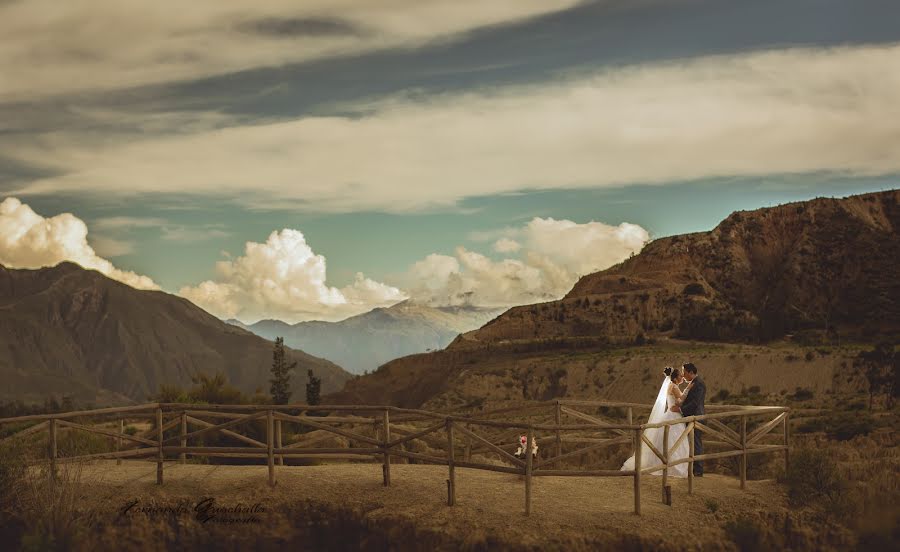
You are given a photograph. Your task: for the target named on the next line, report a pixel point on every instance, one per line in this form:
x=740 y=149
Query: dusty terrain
x=567 y=512
x=492 y=377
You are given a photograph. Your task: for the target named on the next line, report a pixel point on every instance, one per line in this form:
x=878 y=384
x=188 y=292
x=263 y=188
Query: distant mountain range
x=821 y=271
x=362 y=343
x=69 y=331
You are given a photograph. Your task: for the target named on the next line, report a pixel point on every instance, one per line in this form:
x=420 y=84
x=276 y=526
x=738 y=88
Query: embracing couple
x=673 y=403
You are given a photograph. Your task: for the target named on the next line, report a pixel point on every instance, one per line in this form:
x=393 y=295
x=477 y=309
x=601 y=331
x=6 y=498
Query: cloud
x=111 y=247
x=187 y=234
x=168 y=231
x=126 y=223
x=49 y=47
x=774 y=112
x=554 y=255
x=506 y=245
x=28 y=240
x=283 y=278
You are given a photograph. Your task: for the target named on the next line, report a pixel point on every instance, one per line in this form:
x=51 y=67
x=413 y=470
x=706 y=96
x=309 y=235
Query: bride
x=668 y=396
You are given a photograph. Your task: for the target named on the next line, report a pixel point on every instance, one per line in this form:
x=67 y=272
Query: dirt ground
x=489 y=506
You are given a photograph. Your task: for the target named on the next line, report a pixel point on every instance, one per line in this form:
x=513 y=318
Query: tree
x=313 y=388
x=281 y=374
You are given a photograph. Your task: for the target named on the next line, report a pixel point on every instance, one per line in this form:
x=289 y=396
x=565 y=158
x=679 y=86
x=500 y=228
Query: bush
x=722 y=395
x=712 y=505
x=844 y=428
x=813 y=479
x=745 y=533
x=12 y=469
x=694 y=289
x=802 y=395
x=74 y=442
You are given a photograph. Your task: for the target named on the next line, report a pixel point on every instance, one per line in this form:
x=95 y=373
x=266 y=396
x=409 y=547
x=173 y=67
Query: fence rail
x=378 y=437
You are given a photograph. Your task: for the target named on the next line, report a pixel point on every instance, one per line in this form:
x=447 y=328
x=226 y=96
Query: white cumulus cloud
x=553 y=255
x=506 y=245
x=284 y=278
x=29 y=240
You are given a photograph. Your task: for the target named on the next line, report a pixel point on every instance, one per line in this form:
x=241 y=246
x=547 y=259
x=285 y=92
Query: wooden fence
x=380 y=433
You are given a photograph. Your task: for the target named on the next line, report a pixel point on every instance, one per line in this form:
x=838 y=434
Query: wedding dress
x=662 y=412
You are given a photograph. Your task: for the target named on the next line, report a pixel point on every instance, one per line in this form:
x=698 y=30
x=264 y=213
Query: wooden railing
x=382 y=432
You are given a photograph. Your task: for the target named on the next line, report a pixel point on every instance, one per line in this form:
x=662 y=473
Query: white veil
x=656 y=414
x=659 y=407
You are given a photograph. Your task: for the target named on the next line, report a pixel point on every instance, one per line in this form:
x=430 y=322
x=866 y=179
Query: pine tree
x=313 y=388
x=281 y=375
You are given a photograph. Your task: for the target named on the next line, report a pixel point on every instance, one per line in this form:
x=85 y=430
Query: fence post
x=52 y=447
x=278 y=441
x=451 y=461
x=558 y=436
x=182 y=458
x=691 y=456
x=270 y=446
x=637 y=470
x=665 y=451
x=528 y=465
x=119 y=439
x=744 y=449
x=787 y=441
x=387 y=454
x=159 y=437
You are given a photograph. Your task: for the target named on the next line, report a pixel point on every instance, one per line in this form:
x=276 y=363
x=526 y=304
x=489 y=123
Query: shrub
x=809 y=356
x=12 y=469
x=813 y=479
x=74 y=442
x=722 y=395
x=754 y=390
x=694 y=289
x=801 y=394
x=712 y=505
x=745 y=533
x=844 y=428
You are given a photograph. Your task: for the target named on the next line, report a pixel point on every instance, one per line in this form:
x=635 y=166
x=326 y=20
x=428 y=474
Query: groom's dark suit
x=693 y=406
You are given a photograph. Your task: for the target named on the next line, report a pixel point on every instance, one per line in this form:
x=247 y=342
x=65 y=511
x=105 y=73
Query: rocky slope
x=810 y=280
x=69 y=331
x=364 y=342
x=826 y=266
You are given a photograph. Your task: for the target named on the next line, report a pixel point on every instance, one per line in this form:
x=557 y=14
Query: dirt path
x=490 y=506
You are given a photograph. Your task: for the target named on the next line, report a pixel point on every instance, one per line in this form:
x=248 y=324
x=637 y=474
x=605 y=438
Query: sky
x=315 y=160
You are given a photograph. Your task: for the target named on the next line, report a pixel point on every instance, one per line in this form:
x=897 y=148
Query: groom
x=693 y=406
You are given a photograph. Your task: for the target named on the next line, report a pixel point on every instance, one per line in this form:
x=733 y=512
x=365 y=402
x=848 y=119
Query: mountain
x=362 y=343
x=69 y=331
x=826 y=267
x=824 y=272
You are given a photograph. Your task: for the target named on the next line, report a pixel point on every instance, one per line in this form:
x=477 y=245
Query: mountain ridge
x=363 y=342
x=66 y=330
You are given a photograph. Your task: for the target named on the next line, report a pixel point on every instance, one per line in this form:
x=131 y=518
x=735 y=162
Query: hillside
x=69 y=331
x=825 y=269
x=779 y=276
x=364 y=342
